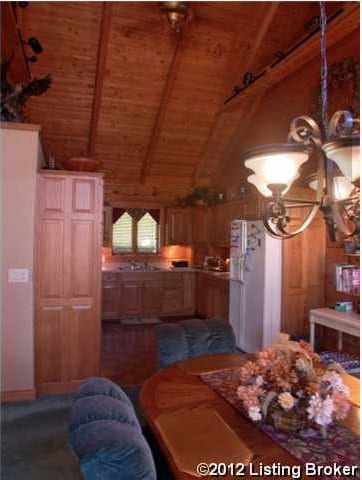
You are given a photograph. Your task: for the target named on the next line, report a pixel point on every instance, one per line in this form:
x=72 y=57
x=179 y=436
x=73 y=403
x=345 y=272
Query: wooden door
x=131 y=299
x=303 y=275
x=67 y=279
x=152 y=297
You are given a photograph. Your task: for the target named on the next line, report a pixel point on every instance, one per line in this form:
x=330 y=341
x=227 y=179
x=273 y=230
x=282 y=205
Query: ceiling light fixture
x=334 y=144
x=176 y=13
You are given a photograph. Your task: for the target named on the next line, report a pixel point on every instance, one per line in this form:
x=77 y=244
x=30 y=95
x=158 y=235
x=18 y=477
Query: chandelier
x=334 y=145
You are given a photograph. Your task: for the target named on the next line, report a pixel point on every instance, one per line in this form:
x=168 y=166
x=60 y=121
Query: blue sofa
x=106 y=436
x=186 y=339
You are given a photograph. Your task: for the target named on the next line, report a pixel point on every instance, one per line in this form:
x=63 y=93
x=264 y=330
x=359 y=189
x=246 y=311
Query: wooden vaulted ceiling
x=143 y=100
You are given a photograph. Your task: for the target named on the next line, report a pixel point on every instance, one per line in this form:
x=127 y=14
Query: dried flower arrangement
x=287 y=386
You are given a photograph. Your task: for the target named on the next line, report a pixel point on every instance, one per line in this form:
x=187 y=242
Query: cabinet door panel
x=189 y=291
x=173 y=298
x=84 y=342
x=83 y=195
x=52 y=347
x=152 y=298
x=52 y=197
x=178 y=227
x=110 y=300
x=50 y=254
x=199 y=225
x=82 y=264
x=131 y=302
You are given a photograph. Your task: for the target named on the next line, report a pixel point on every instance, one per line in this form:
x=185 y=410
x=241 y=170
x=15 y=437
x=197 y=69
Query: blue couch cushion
x=106 y=436
x=198 y=337
x=100 y=386
x=222 y=337
x=125 y=461
x=100 y=407
x=172 y=344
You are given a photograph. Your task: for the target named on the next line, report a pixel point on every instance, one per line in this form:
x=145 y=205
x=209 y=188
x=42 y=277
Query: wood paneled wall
x=327 y=338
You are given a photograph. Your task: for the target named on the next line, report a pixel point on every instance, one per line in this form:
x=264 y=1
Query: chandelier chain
x=324 y=69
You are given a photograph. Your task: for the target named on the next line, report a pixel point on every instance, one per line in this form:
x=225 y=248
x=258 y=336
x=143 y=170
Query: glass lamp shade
x=259 y=183
x=276 y=164
x=346 y=155
x=342 y=186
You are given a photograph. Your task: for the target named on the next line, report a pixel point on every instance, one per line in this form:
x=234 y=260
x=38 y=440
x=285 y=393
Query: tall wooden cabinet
x=68 y=279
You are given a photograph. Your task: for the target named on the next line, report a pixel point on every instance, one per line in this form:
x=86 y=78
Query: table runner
x=341 y=446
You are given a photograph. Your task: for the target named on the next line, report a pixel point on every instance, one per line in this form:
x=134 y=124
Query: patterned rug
x=341 y=446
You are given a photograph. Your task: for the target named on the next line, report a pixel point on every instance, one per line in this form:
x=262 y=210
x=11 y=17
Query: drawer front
x=110 y=277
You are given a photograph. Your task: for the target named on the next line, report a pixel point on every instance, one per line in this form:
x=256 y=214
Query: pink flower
x=249 y=394
x=341 y=404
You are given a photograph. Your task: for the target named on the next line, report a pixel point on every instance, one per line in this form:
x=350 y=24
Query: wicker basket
x=82 y=164
x=287 y=422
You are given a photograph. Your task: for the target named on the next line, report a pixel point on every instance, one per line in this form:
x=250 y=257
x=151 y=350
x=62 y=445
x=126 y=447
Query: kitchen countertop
x=221 y=275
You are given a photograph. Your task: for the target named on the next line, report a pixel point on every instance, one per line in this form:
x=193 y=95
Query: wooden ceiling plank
x=268 y=17
x=167 y=90
x=101 y=68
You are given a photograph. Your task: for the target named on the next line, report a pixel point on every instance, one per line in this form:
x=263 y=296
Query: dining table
x=193 y=424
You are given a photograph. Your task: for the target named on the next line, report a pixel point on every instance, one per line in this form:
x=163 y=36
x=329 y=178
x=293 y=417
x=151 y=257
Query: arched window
x=147 y=234
x=135 y=231
x=122 y=234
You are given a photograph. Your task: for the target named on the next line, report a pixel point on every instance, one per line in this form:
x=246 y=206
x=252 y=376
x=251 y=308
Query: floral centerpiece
x=287 y=386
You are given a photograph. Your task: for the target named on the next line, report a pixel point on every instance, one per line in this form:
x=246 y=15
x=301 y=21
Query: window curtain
x=117 y=213
x=136 y=213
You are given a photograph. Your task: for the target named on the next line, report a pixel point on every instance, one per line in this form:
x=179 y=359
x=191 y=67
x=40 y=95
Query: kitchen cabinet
x=131 y=303
x=152 y=297
x=200 y=224
x=67 y=279
x=110 y=296
x=110 y=300
x=212 y=296
x=178 y=227
x=147 y=294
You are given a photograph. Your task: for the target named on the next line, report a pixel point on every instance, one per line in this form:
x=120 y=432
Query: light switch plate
x=18 y=275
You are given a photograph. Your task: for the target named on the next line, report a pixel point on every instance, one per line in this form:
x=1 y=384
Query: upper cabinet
x=178 y=227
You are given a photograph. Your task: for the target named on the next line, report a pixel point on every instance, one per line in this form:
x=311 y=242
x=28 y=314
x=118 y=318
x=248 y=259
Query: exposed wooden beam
x=268 y=17
x=270 y=12
x=337 y=29
x=166 y=93
x=101 y=67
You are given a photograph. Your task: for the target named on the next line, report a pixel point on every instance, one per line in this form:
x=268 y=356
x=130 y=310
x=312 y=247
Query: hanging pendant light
x=334 y=144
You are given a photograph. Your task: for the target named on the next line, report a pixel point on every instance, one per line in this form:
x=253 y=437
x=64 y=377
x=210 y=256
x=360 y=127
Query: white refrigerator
x=255 y=285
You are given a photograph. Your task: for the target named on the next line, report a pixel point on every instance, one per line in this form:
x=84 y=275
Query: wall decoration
x=343 y=85
x=15 y=97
